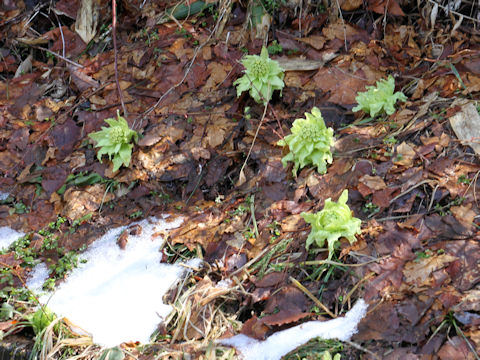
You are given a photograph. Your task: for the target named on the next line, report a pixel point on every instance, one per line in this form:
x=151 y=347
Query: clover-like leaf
x=380 y=98
x=333 y=222
x=309 y=143
x=115 y=141
x=262 y=77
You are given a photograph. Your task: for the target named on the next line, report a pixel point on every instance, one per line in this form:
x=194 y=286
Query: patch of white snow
x=8 y=236
x=282 y=342
x=117 y=295
x=37 y=278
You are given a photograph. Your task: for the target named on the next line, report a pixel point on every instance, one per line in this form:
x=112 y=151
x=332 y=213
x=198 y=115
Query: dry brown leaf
x=179 y=49
x=470 y=301
x=201 y=229
x=389 y=7
x=300 y=64
x=218 y=73
x=76 y=160
x=97 y=100
x=350 y=5
x=88 y=200
x=464 y=214
x=405 y=155
x=455 y=348
x=340 y=30
x=315 y=41
x=373 y=182
x=403 y=116
x=466 y=124
x=344 y=81
x=292 y=223
x=418 y=271
x=215 y=136
x=87 y=20
x=82 y=80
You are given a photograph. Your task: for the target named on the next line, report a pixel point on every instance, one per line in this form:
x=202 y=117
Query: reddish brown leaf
x=64 y=137
x=350 y=5
x=455 y=349
x=53 y=177
x=342 y=85
x=271 y=279
x=284 y=317
x=383 y=197
x=418 y=272
x=390 y=7
x=255 y=328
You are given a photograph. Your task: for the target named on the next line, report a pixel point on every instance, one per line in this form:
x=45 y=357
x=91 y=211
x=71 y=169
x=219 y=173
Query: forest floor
x=213 y=158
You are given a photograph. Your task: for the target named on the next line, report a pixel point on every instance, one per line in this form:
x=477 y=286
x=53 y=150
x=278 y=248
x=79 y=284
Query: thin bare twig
x=359 y=347
x=61 y=33
x=57 y=55
x=311 y=296
x=187 y=70
x=447 y=9
x=343 y=23
x=114 y=34
x=253 y=143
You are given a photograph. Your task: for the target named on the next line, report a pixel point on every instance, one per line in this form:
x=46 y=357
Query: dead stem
x=115 y=50
x=311 y=296
x=359 y=347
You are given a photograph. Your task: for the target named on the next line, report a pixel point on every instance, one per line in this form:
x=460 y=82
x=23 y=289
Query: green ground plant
x=330 y=224
x=380 y=98
x=115 y=141
x=29 y=256
x=40 y=319
x=317 y=349
x=262 y=77
x=275 y=48
x=310 y=143
x=327 y=356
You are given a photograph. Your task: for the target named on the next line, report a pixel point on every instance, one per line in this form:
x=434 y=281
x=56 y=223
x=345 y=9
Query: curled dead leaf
x=82 y=202
x=405 y=155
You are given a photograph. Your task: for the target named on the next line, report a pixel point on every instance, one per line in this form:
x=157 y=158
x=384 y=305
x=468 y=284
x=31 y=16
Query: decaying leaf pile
x=411 y=176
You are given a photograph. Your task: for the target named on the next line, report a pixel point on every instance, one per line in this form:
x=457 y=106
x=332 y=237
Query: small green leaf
x=41 y=319
x=112 y=354
x=6 y=311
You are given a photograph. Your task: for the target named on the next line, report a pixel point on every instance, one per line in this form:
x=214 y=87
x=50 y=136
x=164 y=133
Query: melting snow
x=282 y=342
x=117 y=295
x=8 y=236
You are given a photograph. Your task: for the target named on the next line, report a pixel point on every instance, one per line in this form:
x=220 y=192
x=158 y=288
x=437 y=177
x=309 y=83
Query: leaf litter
x=411 y=176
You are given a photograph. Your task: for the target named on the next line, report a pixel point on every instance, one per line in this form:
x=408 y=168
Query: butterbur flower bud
x=262 y=77
x=115 y=141
x=309 y=143
x=333 y=222
x=380 y=98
